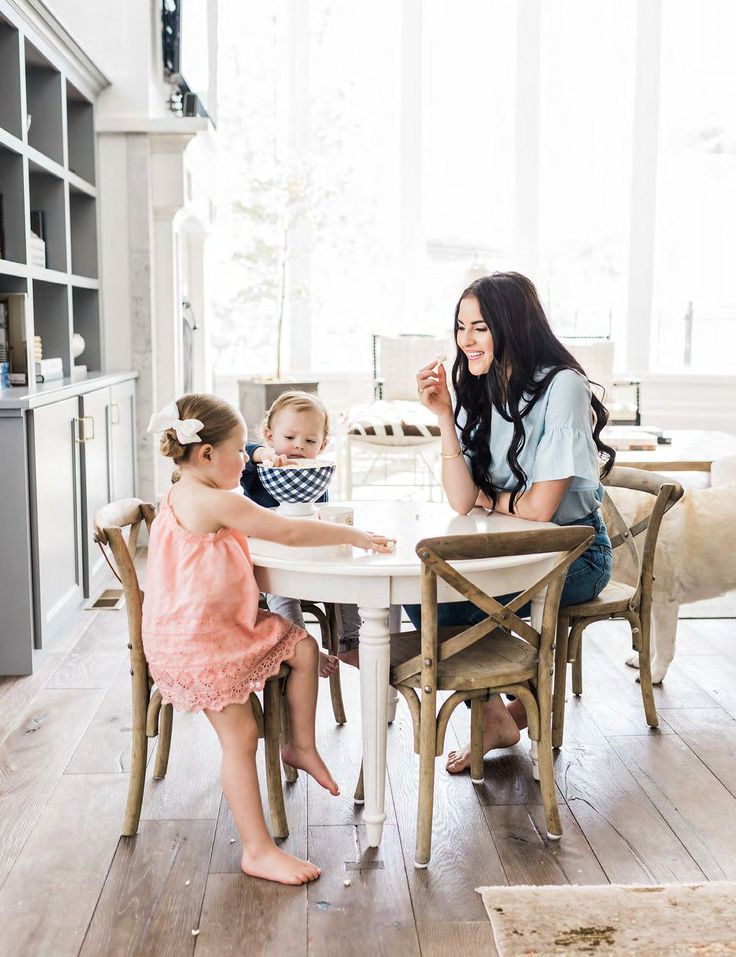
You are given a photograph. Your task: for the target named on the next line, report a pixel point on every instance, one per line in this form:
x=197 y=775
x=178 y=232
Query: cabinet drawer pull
x=114 y=414
x=83 y=434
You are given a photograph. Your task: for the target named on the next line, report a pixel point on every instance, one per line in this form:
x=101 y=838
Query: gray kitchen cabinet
x=122 y=440
x=108 y=463
x=95 y=463
x=68 y=448
x=54 y=475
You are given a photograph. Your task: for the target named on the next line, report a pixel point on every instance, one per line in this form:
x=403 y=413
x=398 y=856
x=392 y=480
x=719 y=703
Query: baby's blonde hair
x=218 y=419
x=300 y=402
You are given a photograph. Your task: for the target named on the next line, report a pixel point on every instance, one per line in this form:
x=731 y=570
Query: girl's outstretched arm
x=234 y=511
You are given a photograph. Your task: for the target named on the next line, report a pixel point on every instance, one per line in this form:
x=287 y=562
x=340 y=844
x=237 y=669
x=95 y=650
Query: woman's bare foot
x=518 y=712
x=350 y=657
x=499 y=731
x=328 y=664
x=310 y=760
x=272 y=864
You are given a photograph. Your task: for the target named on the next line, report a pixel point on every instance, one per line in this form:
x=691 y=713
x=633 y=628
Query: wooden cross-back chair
x=502 y=653
x=618 y=600
x=151 y=718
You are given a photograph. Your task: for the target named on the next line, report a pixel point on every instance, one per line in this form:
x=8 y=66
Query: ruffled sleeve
x=566 y=448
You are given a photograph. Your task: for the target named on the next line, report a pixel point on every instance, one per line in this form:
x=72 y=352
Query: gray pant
x=348 y=619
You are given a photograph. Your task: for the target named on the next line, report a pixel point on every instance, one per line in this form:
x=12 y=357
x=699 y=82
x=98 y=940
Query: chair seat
x=614 y=598
x=497 y=660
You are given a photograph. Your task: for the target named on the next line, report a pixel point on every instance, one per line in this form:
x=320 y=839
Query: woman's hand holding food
x=432 y=388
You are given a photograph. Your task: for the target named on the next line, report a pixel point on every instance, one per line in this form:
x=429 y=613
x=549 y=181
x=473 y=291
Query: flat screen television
x=188 y=52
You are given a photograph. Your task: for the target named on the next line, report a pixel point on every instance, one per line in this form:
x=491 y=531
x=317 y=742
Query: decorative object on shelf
x=79 y=370
x=36 y=251
x=37 y=349
x=49 y=369
x=29 y=117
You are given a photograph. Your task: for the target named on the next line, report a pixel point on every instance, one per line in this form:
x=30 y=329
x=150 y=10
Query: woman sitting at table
x=524 y=439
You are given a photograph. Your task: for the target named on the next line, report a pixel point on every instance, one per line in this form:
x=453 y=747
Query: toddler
x=297 y=427
x=207 y=644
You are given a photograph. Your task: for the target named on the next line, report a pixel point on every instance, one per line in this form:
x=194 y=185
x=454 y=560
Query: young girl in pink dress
x=207 y=644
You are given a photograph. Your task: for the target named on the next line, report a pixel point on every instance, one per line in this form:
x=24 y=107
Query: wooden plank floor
x=636 y=806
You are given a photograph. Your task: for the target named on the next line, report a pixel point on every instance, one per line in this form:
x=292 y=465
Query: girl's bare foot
x=499 y=731
x=328 y=664
x=272 y=864
x=309 y=760
x=350 y=657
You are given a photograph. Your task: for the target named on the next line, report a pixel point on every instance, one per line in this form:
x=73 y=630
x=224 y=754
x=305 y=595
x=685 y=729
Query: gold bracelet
x=453 y=455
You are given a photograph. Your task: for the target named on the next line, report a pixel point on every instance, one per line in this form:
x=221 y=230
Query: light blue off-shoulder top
x=559 y=444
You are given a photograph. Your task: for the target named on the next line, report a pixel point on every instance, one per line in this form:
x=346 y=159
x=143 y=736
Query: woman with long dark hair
x=522 y=438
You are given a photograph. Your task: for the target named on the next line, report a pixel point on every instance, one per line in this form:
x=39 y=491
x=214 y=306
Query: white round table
x=378 y=583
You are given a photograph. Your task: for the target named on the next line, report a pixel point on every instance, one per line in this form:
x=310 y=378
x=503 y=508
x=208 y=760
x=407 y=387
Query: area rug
x=671 y=920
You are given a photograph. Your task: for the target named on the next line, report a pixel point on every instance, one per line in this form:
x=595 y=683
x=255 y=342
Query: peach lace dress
x=206 y=642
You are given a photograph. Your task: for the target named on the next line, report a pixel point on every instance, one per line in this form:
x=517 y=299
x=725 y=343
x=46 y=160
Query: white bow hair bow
x=168 y=418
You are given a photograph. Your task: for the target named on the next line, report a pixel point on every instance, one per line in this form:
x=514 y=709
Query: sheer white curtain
x=694 y=309
x=586 y=118
x=527 y=134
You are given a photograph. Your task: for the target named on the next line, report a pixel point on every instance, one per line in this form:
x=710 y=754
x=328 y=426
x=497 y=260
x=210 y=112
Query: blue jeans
x=586 y=578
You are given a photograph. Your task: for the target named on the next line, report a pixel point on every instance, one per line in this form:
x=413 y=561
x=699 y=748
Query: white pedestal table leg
x=375 y=658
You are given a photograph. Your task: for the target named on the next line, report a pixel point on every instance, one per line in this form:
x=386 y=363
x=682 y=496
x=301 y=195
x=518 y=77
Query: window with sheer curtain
x=694 y=302
x=377 y=263
x=586 y=124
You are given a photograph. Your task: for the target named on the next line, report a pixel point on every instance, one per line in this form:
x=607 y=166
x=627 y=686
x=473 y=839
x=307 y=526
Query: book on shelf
x=38 y=223
x=4 y=336
x=2 y=229
x=15 y=311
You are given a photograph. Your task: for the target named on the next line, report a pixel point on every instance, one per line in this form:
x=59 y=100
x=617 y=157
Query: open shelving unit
x=48 y=167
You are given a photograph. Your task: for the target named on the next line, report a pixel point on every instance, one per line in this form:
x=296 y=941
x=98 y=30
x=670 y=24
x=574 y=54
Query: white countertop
x=18 y=398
